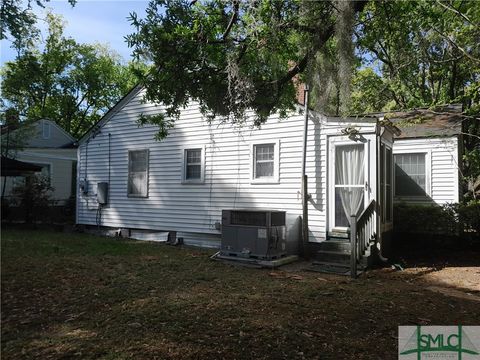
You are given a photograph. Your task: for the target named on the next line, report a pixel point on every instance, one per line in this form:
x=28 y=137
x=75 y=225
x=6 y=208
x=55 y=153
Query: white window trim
x=387 y=223
x=147 y=177
x=428 y=174
x=186 y=181
x=49 y=127
x=43 y=163
x=275 y=179
x=332 y=142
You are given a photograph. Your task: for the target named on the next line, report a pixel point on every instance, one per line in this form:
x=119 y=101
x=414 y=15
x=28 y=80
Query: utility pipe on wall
x=305 y=129
x=304 y=241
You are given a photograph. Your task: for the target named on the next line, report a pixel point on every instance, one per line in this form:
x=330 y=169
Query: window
x=46 y=171
x=193 y=165
x=388 y=184
x=349 y=182
x=265 y=162
x=138 y=173
x=411 y=174
x=18 y=181
x=46 y=130
x=386 y=194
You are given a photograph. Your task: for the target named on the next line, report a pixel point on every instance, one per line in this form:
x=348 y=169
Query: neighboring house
x=47 y=145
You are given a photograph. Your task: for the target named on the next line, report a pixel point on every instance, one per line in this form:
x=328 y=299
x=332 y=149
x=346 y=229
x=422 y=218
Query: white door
x=347 y=183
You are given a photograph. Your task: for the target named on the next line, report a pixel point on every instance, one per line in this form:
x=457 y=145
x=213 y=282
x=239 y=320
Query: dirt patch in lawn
x=78 y=296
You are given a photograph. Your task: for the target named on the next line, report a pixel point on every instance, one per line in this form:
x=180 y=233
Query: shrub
x=423 y=219
x=448 y=219
x=469 y=216
x=33 y=197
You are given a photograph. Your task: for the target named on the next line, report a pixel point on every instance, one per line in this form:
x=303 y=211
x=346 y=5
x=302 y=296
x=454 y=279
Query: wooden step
x=332 y=268
x=344 y=235
x=341 y=257
x=332 y=245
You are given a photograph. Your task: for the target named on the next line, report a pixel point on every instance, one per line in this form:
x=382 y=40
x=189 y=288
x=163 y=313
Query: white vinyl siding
x=441 y=167
x=228 y=171
x=138 y=173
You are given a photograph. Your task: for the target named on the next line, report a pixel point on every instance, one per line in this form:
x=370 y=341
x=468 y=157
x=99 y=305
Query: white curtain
x=350 y=170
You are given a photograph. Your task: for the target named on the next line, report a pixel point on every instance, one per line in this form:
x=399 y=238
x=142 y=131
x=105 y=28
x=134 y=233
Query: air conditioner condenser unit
x=254 y=234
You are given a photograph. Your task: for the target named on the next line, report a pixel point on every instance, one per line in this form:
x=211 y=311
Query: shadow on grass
x=81 y=296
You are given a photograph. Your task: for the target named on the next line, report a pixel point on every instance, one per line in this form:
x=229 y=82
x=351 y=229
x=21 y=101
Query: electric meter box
x=83 y=185
x=102 y=193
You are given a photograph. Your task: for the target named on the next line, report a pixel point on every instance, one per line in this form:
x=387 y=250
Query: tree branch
x=456 y=12
x=233 y=19
x=455 y=44
x=302 y=64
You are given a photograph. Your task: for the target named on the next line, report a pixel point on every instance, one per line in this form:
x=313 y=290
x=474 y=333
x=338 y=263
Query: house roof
x=12 y=167
x=427 y=122
x=68 y=141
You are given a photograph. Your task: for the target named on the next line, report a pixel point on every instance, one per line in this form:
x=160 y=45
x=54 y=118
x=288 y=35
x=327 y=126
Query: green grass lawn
x=80 y=296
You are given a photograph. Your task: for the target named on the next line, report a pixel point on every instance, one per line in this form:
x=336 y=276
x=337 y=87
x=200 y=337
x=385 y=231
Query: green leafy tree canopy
x=70 y=83
x=230 y=56
x=358 y=56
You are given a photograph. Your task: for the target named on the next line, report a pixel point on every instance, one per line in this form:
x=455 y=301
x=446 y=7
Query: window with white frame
x=46 y=130
x=386 y=191
x=193 y=165
x=265 y=162
x=411 y=176
x=388 y=185
x=18 y=181
x=138 y=173
x=46 y=172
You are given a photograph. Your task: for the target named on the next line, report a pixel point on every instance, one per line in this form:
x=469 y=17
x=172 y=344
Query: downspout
x=109 y=166
x=77 y=189
x=305 y=196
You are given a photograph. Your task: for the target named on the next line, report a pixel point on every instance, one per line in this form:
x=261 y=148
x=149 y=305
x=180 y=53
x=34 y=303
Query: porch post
x=353 y=246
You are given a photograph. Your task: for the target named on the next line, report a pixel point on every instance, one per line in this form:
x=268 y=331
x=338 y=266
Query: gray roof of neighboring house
x=57 y=136
x=427 y=122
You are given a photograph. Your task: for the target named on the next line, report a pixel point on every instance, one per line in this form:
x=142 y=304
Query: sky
x=91 y=21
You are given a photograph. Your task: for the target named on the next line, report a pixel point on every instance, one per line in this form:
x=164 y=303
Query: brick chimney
x=299 y=86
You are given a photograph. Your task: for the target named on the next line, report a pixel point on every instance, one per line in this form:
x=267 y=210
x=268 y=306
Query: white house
x=49 y=146
x=183 y=182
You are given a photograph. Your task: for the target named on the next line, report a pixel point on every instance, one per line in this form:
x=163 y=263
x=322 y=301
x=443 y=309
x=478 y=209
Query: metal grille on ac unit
x=257 y=234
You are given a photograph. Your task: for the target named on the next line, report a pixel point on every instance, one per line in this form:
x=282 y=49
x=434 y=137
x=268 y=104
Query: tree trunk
x=453 y=78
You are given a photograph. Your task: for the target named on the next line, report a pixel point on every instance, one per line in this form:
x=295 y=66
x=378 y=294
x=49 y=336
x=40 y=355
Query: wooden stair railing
x=362 y=232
